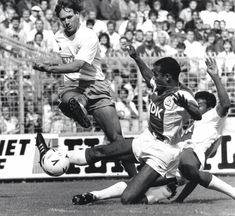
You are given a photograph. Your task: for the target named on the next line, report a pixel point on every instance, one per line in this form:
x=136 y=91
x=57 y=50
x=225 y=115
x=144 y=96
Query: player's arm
x=144 y=69
x=190 y=106
x=188 y=189
x=71 y=67
x=224 y=101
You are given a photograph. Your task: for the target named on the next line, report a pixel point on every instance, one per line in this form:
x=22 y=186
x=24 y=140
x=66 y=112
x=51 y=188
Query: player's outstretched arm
x=144 y=69
x=224 y=101
x=191 y=107
x=71 y=67
x=188 y=189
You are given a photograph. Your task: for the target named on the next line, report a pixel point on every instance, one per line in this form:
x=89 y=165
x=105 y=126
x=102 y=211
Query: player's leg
x=189 y=166
x=109 y=122
x=118 y=150
x=73 y=105
x=138 y=185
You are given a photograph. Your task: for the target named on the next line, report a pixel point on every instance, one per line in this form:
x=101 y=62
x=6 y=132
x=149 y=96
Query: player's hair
x=76 y=5
x=168 y=65
x=208 y=97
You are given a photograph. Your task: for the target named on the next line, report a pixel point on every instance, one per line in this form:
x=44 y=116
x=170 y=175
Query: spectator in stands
x=194 y=49
x=2 y=15
x=36 y=13
x=192 y=23
x=182 y=57
x=225 y=59
x=151 y=23
x=219 y=44
x=133 y=18
x=209 y=43
x=99 y=25
x=26 y=24
x=44 y=5
x=25 y=5
x=219 y=5
x=186 y=13
x=208 y=15
x=113 y=35
x=129 y=34
x=9 y=14
x=171 y=22
x=138 y=39
x=9 y=124
x=227 y=15
x=33 y=120
x=162 y=14
x=90 y=23
x=179 y=30
x=126 y=6
x=149 y=48
x=55 y=25
x=126 y=109
x=39 y=42
x=14 y=30
x=109 y=10
x=122 y=52
x=105 y=46
x=48 y=36
x=223 y=25
x=48 y=17
x=199 y=30
x=131 y=26
x=164 y=46
x=143 y=11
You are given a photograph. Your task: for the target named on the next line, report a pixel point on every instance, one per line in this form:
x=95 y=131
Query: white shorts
x=159 y=155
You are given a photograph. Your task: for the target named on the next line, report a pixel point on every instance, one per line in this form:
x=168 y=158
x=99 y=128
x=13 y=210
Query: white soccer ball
x=55 y=163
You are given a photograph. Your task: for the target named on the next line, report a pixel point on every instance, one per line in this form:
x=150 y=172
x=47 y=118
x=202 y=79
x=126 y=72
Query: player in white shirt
x=205 y=133
x=85 y=87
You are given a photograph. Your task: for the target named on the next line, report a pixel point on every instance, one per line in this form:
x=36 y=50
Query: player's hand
x=212 y=68
x=41 y=67
x=180 y=100
x=131 y=50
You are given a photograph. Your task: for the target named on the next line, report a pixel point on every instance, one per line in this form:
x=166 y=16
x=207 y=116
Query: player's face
x=160 y=80
x=202 y=106
x=69 y=20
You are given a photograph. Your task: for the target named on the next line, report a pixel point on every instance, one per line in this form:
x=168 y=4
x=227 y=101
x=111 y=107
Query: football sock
x=113 y=191
x=221 y=186
x=156 y=194
x=77 y=157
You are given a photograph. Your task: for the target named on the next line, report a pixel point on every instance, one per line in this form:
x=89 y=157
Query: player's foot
x=41 y=145
x=79 y=113
x=83 y=199
x=172 y=187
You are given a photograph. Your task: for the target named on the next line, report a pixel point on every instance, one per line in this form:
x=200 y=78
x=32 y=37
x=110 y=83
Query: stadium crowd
x=188 y=30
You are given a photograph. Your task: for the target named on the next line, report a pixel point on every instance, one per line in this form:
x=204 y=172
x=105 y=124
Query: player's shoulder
x=59 y=34
x=86 y=32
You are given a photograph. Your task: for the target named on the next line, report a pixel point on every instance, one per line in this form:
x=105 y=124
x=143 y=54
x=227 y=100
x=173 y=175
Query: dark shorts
x=94 y=94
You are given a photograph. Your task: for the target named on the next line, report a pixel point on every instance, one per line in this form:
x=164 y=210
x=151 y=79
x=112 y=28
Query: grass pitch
x=54 y=198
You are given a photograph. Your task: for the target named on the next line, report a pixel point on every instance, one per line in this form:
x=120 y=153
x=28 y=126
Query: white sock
x=113 y=191
x=221 y=186
x=77 y=157
x=156 y=194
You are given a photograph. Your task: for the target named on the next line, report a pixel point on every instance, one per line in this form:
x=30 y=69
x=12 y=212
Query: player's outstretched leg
x=82 y=199
x=41 y=145
x=79 y=113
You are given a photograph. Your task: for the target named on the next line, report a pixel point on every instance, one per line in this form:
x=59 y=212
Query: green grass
x=54 y=198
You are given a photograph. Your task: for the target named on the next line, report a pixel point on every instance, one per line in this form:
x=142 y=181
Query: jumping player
x=156 y=147
x=85 y=88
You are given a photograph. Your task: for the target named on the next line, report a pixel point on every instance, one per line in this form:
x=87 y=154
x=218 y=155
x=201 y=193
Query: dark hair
x=208 y=97
x=90 y=22
x=38 y=33
x=181 y=45
x=103 y=34
x=76 y=5
x=168 y=65
x=152 y=12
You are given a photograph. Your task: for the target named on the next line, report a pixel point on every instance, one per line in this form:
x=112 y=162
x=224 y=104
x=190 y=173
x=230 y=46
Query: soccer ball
x=54 y=162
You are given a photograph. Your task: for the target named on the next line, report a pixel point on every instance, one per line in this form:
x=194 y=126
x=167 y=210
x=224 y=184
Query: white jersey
x=83 y=45
x=207 y=130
